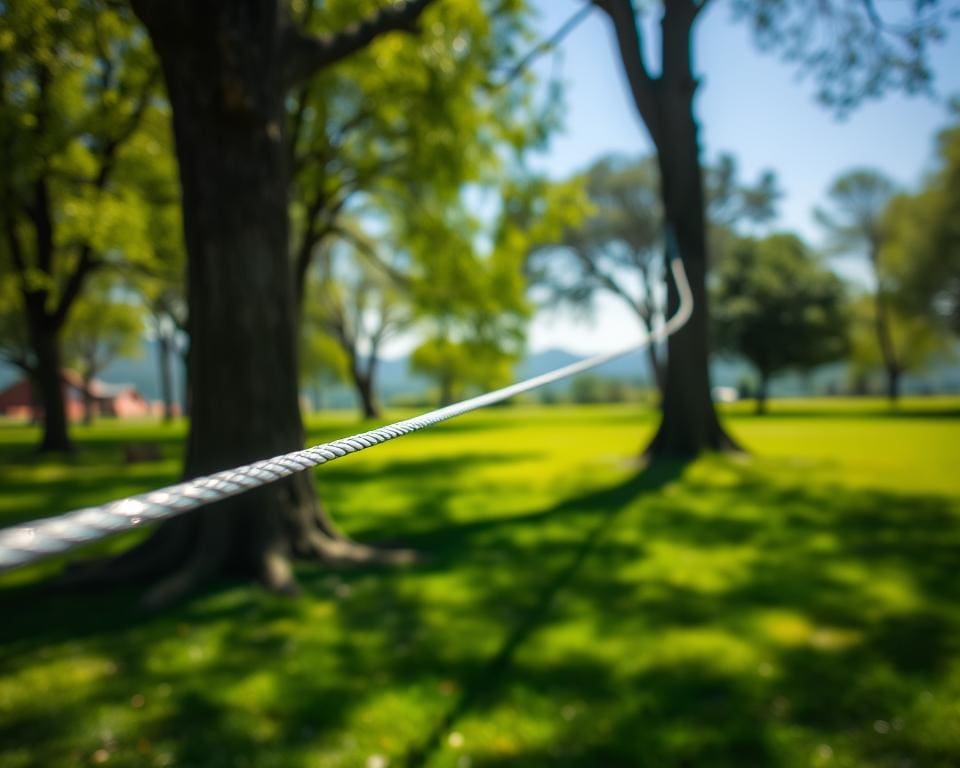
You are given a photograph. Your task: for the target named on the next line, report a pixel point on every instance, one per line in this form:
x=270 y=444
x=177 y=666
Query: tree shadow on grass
x=485 y=680
x=709 y=615
x=760 y=623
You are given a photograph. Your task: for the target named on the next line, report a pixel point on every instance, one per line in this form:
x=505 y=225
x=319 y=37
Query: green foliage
x=915 y=338
x=924 y=240
x=473 y=364
x=384 y=131
x=854 y=51
x=321 y=357
x=84 y=145
x=355 y=300
x=615 y=245
x=731 y=201
x=615 y=248
x=587 y=388
x=78 y=126
x=102 y=327
x=382 y=164
x=563 y=606
x=854 y=224
x=14 y=338
x=468 y=282
x=777 y=304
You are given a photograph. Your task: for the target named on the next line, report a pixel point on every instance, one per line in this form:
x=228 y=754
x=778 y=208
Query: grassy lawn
x=800 y=607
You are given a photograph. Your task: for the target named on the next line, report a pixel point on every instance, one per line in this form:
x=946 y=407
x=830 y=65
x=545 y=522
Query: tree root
x=346 y=552
x=189 y=552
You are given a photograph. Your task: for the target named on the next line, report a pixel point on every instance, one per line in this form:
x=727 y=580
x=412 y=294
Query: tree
x=460 y=366
x=386 y=128
x=860 y=56
x=322 y=360
x=912 y=334
x=229 y=69
x=923 y=248
x=778 y=306
x=77 y=82
x=101 y=328
x=470 y=299
x=14 y=338
x=360 y=305
x=854 y=225
x=617 y=249
x=161 y=282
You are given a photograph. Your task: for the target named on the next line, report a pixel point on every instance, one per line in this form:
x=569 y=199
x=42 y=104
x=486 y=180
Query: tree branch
x=545 y=45
x=17 y=360
x=630 y=41
x=607 y=281
x=85 y=265
x=308 y=53
x=368 y=251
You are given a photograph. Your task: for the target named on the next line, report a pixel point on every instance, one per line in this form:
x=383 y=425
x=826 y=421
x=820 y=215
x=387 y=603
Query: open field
x=800 y=607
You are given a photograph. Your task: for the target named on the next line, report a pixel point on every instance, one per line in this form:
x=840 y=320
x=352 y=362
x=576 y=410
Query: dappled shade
x=570 y=611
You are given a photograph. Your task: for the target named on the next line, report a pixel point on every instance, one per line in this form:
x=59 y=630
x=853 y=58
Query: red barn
x=121 y=401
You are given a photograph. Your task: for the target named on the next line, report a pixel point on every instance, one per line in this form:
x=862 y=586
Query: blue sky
x=751 y=104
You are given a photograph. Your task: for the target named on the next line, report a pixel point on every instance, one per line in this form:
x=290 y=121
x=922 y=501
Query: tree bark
x=49 y=385
x=689 y=424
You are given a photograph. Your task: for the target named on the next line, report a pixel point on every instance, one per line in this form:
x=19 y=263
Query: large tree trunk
x=665 y=104
x=690 y=422
x=222 y=64
x=49 y=385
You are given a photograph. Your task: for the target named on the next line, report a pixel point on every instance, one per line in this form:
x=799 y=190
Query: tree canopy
x=777 y=305
x=79 y=126
x=924 y=239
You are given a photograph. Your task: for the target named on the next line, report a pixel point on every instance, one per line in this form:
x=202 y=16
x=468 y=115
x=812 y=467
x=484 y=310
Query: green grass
x=797 y=608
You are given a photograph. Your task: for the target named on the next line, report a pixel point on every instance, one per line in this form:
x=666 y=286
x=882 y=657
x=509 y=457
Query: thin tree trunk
x=166 y=373
x=656 y=368
x=446 y=390
x=363 y=383
x=885 y=338
x=893 y=384
x=761 y=398
x=185 y=365
x=88 y=401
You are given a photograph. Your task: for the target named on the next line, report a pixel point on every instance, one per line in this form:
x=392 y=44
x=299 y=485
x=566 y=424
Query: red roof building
x=121 y=401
